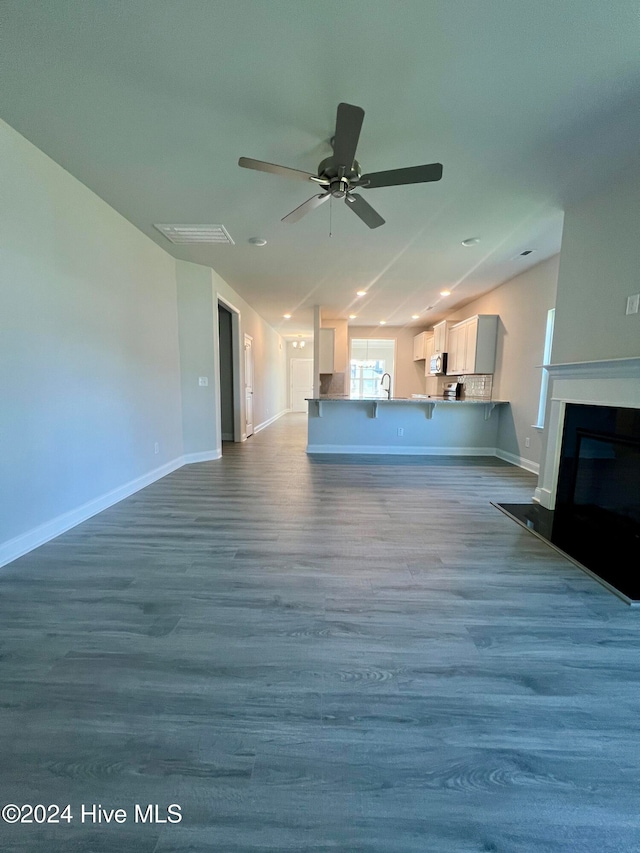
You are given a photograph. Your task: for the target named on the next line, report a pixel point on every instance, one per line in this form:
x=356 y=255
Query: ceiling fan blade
x=284 y=171
x=348 y=124
x=395 y=177
x=364 y=210
x=306 y=206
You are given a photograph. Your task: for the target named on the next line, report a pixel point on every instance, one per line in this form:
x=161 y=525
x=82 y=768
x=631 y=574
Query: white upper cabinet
x=472 y=345
x=421 y=345
x=428 y=352
x=441 y=336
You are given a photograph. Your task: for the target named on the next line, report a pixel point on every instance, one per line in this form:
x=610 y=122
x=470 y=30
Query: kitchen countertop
x=413 y=399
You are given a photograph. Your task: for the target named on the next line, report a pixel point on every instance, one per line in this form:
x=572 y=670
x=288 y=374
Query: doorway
x=225 y=338
x=301 y=385
x=230 y=421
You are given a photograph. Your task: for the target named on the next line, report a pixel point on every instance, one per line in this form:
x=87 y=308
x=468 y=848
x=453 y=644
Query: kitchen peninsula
x=418 y=425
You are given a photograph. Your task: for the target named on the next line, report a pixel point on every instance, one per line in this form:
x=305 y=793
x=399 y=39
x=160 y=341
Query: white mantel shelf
x=612 y=367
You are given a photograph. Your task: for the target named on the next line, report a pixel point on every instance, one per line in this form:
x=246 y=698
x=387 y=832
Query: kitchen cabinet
x=428 y=352
x=456 y=354
x=441 y=336
x=326 y=349
x=421 y=345
x=472 y=345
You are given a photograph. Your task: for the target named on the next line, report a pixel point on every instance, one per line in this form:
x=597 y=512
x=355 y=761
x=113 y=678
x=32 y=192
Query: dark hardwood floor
x=328 y=654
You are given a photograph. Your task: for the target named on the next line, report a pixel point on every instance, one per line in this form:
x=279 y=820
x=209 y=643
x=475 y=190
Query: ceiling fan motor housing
x=339 y=176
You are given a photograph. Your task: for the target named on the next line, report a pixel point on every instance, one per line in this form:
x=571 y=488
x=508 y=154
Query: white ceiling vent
x=195 y=233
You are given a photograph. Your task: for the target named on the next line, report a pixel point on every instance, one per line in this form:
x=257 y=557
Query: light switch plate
x=633 y=303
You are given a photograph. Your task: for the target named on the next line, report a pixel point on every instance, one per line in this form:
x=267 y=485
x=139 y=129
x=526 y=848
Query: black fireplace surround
x=597 y=514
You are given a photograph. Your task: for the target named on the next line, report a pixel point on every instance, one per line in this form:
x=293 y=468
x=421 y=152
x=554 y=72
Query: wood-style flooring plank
x=355 y=654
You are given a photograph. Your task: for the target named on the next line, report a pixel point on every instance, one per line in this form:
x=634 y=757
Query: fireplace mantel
x=612 y=382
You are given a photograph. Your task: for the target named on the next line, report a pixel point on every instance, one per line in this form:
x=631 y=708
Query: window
x=546 y=359
x=370 y=360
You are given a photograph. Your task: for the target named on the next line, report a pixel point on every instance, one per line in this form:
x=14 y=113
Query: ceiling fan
x=340 y=174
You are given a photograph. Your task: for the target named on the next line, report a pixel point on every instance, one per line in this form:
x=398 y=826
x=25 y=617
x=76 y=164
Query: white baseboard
x=520 y=461
x=269 y=421
x=205 y=456
x=407 y=450
x=21 y=545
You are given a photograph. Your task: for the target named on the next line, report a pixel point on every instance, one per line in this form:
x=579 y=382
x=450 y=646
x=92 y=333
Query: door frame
x=247 y=337
x=237 y=367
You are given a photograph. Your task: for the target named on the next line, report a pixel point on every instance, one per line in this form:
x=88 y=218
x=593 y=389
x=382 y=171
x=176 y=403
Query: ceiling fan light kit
x=340 y=174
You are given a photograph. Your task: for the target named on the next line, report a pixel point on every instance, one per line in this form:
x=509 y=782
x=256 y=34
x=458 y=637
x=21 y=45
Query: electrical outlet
x=527 y=442
x=203 y=381
x=156 y=447
x=401 y=431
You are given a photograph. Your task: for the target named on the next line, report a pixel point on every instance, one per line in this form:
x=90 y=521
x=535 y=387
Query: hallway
x=349 y=654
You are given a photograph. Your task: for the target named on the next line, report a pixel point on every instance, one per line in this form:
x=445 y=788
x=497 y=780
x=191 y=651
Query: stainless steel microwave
x=438 y=364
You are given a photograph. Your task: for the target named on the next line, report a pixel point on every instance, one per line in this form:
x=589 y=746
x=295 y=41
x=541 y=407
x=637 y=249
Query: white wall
x=599 y=268
x=522 y=305
x=89 y=362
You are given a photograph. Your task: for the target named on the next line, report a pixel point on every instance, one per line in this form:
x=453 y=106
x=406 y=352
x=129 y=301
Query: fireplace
x=587 y=502
x=597 y=512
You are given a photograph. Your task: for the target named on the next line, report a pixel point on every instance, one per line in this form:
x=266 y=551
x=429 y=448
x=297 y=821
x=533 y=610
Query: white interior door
x=301 y=383
x=248 y=384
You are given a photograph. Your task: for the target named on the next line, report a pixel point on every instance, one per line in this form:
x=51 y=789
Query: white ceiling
x=151 y=102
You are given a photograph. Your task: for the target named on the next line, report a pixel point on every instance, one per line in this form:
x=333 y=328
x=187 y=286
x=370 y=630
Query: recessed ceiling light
x=287 y=316
x=471 y=241
x=383 y=322
x=352 y=316
x=257 y=241
x=415 y=316
x=445 y=293
x=361 y=292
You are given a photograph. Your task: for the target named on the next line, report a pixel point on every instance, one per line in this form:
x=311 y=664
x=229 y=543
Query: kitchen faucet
x=388 y=387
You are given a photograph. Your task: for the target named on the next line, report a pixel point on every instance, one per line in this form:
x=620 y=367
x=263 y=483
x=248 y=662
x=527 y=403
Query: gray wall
x=89 y=360
x=522 y=305
x=599 y=268
x=200 y=408
x=103 y=336
x=269 y=353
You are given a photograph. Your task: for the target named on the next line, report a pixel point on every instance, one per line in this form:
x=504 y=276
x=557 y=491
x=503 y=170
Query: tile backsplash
x=477 y=385
x=332 y=384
